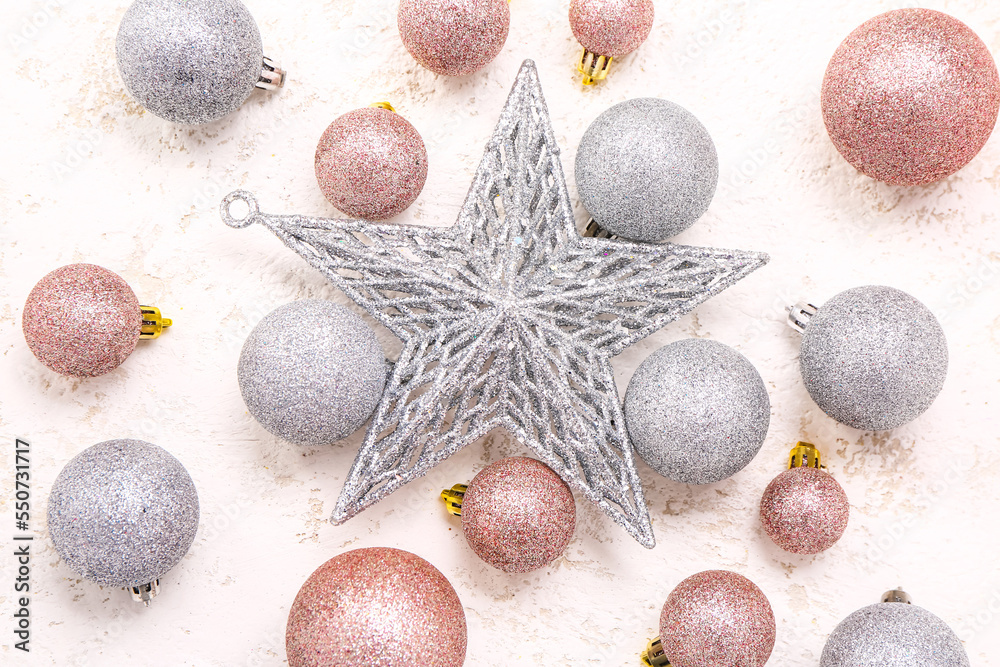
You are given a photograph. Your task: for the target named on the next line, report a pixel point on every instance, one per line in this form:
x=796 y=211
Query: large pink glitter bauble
x=518 y=515
x=454 y=37
x=82 y=320
x=804 y=510
x=910 y=96
x=611 y=27
x=717 y=619
x=371 y=163
x=376 y=607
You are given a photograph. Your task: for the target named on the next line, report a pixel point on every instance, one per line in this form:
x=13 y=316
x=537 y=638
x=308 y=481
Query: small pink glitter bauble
x=376 y=607
x=804 y=510
x=518 y=515
x=454 y=37
x=910 y=96
x=717 y=619
x=82 y=320
x=611 y=27
x=371 y=163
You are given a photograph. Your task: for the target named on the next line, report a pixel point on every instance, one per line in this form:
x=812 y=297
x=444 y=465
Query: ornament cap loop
x=653 y=655
x=382 y=105
x=272 y=77
x=595 y=231
x=805 y=455
x=153 y=322
x=145 y=592
x=453 y=498
x=897 y=595
x=800 y=314
x=225 y=209
x=593 y=67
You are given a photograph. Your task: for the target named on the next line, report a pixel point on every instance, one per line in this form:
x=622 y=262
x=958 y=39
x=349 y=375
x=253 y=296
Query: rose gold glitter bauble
x=910 y=96
x=518 y=515
x=376 y=607
x=611 y=27
x=454 y=37
x=82 y=320
x=804 y=510
x=371 y=163
x=717 y=619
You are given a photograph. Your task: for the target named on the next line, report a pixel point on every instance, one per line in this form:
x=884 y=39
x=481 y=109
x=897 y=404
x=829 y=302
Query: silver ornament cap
x=646 y=169
x=192 y=61
x=123 y=513
x=872 y=357
x=893 y=634
x=312 y=372
x=697 y=411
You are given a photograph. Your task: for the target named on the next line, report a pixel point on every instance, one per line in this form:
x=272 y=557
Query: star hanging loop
x=508 y=319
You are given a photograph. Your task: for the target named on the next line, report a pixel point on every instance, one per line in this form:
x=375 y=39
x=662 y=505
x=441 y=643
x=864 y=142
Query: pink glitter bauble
x=717 y=619
x=804 y=510
x=82 y=320
x=376 y=607
x=371 y=163
x=910 y=96
x=518 y=515
x=611 y=27
x=454 y=37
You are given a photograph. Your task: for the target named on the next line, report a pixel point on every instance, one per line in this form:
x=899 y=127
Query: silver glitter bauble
x=874 y=358
x=507 y=319
x=123 y=512
x=189 y=61
x=646 y=169
x=311 y=372
x=893 y=634
x=697 y=411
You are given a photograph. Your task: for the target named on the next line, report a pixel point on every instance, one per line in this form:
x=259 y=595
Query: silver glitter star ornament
x=508 y=319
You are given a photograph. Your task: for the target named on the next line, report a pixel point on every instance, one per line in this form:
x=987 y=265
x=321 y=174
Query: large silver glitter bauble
x=508 y=319
x=311 y=372
x=189 y=61
x=697 y=411
x=874 y=358
x=646 y=169
x=893 y=634
x=123 y=512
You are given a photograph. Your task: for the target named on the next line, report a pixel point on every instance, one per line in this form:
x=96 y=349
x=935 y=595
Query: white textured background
x=88 y=176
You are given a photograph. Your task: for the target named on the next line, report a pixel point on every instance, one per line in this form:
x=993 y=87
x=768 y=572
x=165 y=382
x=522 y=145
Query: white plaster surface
x=88 y=176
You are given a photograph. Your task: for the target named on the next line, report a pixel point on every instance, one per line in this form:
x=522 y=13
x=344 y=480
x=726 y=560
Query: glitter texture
x=82 y=320
x=717 y=619
x=646 y=169
x=123 y=512
x=910 y=96
x=371 y=163
x=518 y=515
x=311 y=372
x=189 y=61
x=804 y=510
x=611 y=27
x=874 y=358
x=508 y=319
x=893 y=634
x=697 y=411
x=376 y=607
x=453 y=37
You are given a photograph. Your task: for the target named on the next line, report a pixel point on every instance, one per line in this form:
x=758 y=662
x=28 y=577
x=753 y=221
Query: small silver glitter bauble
x=123 y=512
x=646 y=169
x=893 y=634
x=312 y=372
x=518 y=515
x=717 y=619
x=376 y=607
x=874 y=358
x=189 y=61
x=453 y=37
x=697 y=411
